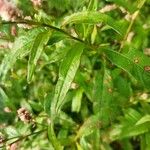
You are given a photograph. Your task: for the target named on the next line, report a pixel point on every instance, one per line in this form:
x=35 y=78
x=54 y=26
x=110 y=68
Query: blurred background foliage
x=80 y=69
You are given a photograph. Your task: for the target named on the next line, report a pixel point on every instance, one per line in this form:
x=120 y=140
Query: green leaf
x=67 y=73
x=140 y=3
x=93 y=17
x=5 y=101
x=107 y=107
x=88 y=126
x=21 y=48
x=79 y=146
x=147 y=139
x=47 y=103
x=65 y=120
x=93 y=35
x=35 y=105
x=82 y=81
x=97 y=91
x=133 y=63
x=132 y=116
x=123 y=86
x=3 y=98
x=128 y=126
x=84 y=144
x=35 y=53
x=126 y=145
x=120 y=131
x=11 y=132
x=96 y=135
x=92 y=5
x=53 y=139
x=144 y=119
x=59 y=51
x=76 y=102
x=134 y=130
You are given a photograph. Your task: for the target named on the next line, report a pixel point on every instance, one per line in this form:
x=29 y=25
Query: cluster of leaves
x=82 y=69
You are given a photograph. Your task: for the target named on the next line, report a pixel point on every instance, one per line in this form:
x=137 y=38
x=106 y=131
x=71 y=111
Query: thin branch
x=129 y=29
x=134 y=16
x=29 y=22
x=22 y=137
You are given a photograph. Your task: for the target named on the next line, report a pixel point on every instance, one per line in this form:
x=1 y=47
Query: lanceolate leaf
x=93 y=17
x=128 y=131
x=132 y=124
x=36 y=50
x=20 y=48
x=67 y=72
x=133 y=63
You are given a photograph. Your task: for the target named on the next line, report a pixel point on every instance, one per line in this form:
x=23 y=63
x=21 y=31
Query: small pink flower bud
x=8 y=11
x=24 y=115
x=36 y=3
x=13 y=31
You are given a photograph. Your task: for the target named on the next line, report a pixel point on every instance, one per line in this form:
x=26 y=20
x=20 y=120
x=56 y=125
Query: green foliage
x=35 y=52
x=92 y=17
x=80 y=72
x=67 y=72
x=133 y=62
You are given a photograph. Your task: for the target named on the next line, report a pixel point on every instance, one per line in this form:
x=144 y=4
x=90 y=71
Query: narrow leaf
x=36 y=50
x=93 y=17
x=132 y=64
x=21 y=48
x=67 y=73
x=134 y=130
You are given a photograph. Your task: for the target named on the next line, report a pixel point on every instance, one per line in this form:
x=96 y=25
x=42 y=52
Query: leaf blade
x=67 y=72
x=20 y=49
x=93 y=17
x=36 y=50
x=127 y=63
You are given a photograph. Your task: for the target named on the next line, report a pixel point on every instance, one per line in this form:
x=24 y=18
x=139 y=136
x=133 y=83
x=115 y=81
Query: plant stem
x=29 y=22
x=129 y=29
x=52 y=137
x=22 y=137
x=134 y=16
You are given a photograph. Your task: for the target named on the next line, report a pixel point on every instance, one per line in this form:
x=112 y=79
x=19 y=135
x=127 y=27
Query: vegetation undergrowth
x=75 y=75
